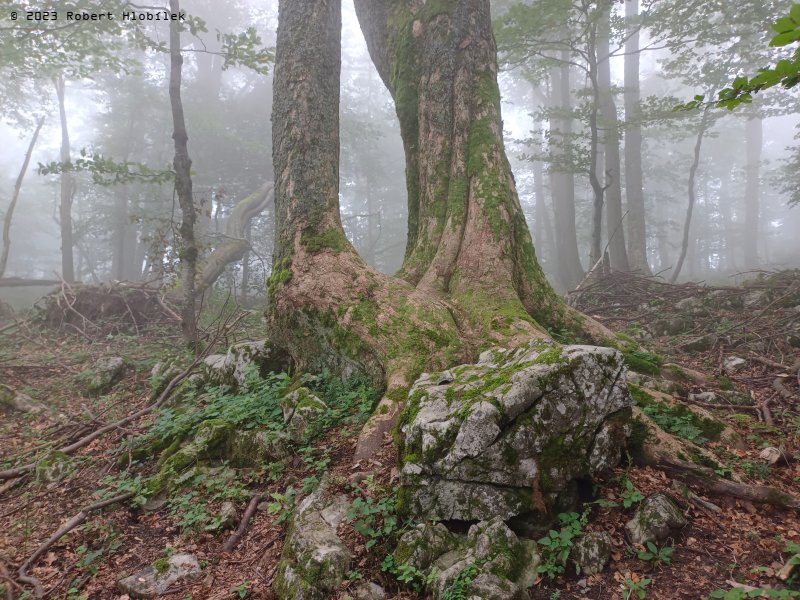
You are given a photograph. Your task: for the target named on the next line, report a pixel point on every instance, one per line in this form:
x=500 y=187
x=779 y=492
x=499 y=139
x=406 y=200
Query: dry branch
x=248 y=514
x=22 y=574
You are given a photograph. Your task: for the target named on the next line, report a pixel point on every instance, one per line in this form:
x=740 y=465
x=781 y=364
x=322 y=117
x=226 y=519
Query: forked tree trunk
x=470 y=278
x=634 y=186
x=13 y=204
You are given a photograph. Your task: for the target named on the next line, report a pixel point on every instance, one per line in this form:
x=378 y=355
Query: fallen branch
x=706 y=479
x=88 y=439
x=248 y=514
x=22 y=574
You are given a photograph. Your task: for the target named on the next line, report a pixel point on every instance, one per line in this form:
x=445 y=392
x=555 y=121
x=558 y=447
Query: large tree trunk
x=610 y=125
x=67 y=192
x=183 y=184
x=634 y=186
x=754 y=140
x=470 y=278
x=12 y=205
x=563 y=185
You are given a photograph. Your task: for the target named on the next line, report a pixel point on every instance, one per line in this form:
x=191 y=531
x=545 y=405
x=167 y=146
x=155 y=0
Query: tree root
x=22 y=574
x=240 y=531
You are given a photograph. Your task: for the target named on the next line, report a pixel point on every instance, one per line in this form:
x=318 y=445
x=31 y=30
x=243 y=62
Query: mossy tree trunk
x=470 y=278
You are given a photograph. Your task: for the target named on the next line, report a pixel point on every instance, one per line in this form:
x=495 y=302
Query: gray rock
x=654 y=520
x=672 y=325
x=228 y=515
x=708 y=397
x=161 y=374
x=512 y=433
x=232 y=367
x=20 y=402
x=733 y=364
x=591 y=552
x=156 y=579
x=421 y=546
x=369 y=591
x=300 y=407
x=700 y=344
x=314 y=561
x=103 y=376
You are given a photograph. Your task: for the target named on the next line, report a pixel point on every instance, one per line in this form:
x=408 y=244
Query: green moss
x=677 y=419
x=643 y=362
x=161 y=565
x=281 y=273
x=549 y=357
x=332 y=239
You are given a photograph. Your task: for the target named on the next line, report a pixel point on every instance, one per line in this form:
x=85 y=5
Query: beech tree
x=470 y=279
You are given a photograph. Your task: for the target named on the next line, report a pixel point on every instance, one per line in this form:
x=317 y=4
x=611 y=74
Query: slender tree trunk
x=543 y=226
x=598 y=189
x=67 y=191
x=13 y=204
x=754 y=140
x=634 y=185
x=687 y=224
x=728 y=227
x=615 y=225
x=563 y=186
x=183 y=184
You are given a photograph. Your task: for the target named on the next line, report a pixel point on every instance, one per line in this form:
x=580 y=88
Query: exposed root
x=240 y=531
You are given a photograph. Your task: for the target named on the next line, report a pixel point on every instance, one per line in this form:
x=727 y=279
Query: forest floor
x=741 y=544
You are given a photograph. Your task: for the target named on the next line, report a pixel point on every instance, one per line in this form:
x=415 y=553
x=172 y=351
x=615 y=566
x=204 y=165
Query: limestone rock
x=513 y=433
x=156 y=579
x=161 y=374
x=314 y=561
x=228 y=515
x=299 y=409
x=232 y=367
x=591 y=552
x=424 y=544
x=53 y=468
x=733 y=364
x=654 y=519
x=103 y=376
x=369 y=591
x=20 y=402
x=700 y=344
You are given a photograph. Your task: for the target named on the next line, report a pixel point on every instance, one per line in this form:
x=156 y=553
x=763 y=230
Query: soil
x=742 y=543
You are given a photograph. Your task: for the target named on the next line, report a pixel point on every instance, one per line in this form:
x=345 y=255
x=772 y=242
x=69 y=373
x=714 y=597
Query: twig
x=22 y=574
x=248 y=514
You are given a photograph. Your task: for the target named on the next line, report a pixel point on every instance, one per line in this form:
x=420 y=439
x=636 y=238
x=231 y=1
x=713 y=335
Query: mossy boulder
x=217 y=440
x=512 y=434
x=655 y=519
x=314 y=561
x=591 y=552
x=156 y=579
x=17 y=401
x=300 y=408
x=103 y=376
x=232 y=367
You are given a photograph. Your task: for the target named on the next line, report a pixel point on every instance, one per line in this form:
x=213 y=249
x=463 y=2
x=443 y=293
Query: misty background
x=747 y=157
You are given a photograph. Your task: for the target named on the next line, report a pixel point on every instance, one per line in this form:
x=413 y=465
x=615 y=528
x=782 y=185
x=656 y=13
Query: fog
x=742 y=218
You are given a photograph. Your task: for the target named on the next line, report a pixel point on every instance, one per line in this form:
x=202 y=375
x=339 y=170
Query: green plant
x=630 y=495
x=459 y=587
x=282 y=504
x=373 y=519
x=556 y=545
x=355 y=575
x=242 y=590
x=407 y=574
x=634 y=588
x=656 y=555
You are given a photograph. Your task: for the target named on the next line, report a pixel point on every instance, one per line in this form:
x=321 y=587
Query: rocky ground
x=241 y=486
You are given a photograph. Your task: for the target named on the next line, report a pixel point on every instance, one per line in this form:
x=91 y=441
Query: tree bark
x=13 y=204
x=687 y=224
x=470 y=278
x=634 y=185
x=183 y=185
x=67 y=191
x=615 y=227
x=754 y=139
x=563 y=185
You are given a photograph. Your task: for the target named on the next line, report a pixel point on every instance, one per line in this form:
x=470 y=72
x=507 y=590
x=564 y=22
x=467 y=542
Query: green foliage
x=630 y=495
x=459 y=587
x=631 y=588
x=373 y=519
x=242 y=590
x=643 y=362
x=407 y=574
x=106 y=172
x=656 y=555
x=677 y=420
x=283 y=504
x=557 y=544
x=785 y=73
